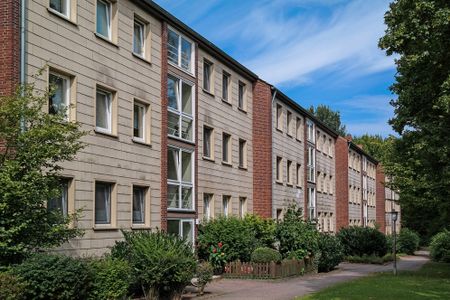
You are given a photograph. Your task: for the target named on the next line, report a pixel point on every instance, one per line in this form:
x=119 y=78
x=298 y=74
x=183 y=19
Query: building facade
x=178 y=131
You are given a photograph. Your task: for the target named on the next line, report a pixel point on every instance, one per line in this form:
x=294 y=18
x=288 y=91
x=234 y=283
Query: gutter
x=23 y=4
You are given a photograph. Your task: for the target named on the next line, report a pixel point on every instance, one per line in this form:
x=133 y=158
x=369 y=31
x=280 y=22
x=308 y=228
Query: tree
x=35 y=144
x=376 y=146
x=331 y=118
x=418 y=31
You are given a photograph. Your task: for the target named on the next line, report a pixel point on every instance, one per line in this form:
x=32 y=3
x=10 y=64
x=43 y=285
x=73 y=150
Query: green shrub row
x=359 y=241
x=370 y=259
x=440 y=247
x=408 y=241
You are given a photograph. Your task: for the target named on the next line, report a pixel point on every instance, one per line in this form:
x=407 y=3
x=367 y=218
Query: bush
x=51 y=276
x=408 y=241
x=359 y=241
x=204 y=274
x=296 y=235
x=11 y=287
x=264 y=229
x=331 y=251
x=237 y=237
x=440 y=247
x=160 y=262
x=110 y=277
x=265 y=255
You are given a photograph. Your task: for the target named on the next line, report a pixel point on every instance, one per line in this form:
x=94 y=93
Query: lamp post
x=394 y=215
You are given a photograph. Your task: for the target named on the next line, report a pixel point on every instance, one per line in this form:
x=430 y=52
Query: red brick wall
x=380 y=199
x=341 y=183
x=164 y=130
x=9 y=46
x=262 y=149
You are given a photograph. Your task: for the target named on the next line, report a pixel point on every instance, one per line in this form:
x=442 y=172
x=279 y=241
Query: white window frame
x=179 y=112
x=66 y=9
x=242 y=206
x=242 y=103
x=67 y=92
x=279 y=169
x=289 y=172
x=289 y=116
x=211 y=142
x=226 y=205
x=108 y=18
x=311 y=137
x=208 y=200
x=142 y=33
x=208 y=79
x=180 y=229
x=145 y=206
x=179 y=62
x=312 y=212
x=111 y=204
x=311 y=164
x=299 y=175
x=279 y=117
x=110 y=97
x=180 y=183
x=229 y=147
x=242 y=153
x=144 y=107
x=226 y=90
x=298 y=129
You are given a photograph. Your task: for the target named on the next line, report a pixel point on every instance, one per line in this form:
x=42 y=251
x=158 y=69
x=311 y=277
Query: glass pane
x=187 y=166
x=225 y=87
x=186 y=201
x=102 y=203
x=206 y=76
x=173 y=227
x=187 y=231
x=206 y=206
x=225 y=141
x=138 y=126
x=186 y=54
x=172 y=47
x=174 y=124
x=173 y=196
x=60 y=203
x=103 y=110
x=187 y=98
x=172 y=92
x=207 y=142
x=241 y=153
x=241 y=95
x=103 y=18
x=225 y=205
x=60 y=6
x=138 y=205
x=138 y=41
x=186 y=129
x=58 y=100
x=173 y=164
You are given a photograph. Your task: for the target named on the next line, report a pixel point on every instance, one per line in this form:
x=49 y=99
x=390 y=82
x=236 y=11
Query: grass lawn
x=430 y=282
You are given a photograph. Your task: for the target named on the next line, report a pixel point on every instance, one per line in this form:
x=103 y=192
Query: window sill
x=140 y=226
x=99 y=227
x=208 y=92
x=106 y=39
x=190 y=73
x=279 y=182
x=180 y=210
x=299 y=186
x=97 y=131
x=141 y=143
x=243 y=168
x=298 y=140
x=181 y=140
x=279 y=130
x=289 y=134
x=208 y=159
x=60 y=15
x=142 y=58
x=227 y=164
x=290 y=184
x=242 y=110
x=227 y=102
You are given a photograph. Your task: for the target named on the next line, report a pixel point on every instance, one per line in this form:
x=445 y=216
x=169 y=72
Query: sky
x=315 y=51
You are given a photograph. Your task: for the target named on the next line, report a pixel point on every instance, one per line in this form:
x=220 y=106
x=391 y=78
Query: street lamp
x=394 y=216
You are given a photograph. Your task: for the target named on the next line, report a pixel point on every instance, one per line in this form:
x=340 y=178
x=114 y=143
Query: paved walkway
x=231 y=289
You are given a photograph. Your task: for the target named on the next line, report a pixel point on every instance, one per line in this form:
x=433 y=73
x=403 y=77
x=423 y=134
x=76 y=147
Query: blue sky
x=315 y=51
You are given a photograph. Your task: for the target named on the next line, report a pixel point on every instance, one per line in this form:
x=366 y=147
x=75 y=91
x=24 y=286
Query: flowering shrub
x=217 y=257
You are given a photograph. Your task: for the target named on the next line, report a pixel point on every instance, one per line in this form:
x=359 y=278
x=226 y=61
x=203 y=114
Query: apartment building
x=391 y=205
x=178 y=131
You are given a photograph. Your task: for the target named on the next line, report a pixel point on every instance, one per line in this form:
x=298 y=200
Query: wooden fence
x=268 y=270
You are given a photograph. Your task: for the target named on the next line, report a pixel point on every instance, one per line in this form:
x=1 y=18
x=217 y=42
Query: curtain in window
x=103 y=110
x=102 y=203
x=138 y=42
x=138 y=205
x=103 y=18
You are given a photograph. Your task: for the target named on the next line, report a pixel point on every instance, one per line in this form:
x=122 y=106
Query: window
x=331 y=185
x=184 y=228
x=180 y=179
x=180 y=51
x=59 y=99
x=311 y=164
x=279 y=173
x=103 y=200
x=310 y=131
x=330 y=148
x=279 y=117
x=226 y=148
x=104 y=13
x=141 y=122
x=299 y=175
x=226 y=205
x=242 y=206
x=279 y=214
x=311 y=203
x=208 y=206
x=324 y=144
x=61 y=6
x=207 y=75
x=242 y=153
x=208 y=142
x=241 y=96
x=180 y=106
x=299 y=129
x=139 y=38
x=139 y=205
x=289 y=171
x=61 y=203
x=103 y=111
x=225 y=85
x=289 y=123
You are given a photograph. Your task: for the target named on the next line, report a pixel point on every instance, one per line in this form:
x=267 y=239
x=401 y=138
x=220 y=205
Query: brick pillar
x=380 y=198
x=164 y=130
x=9 y=46
x=262 y=149
x=341 y=183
